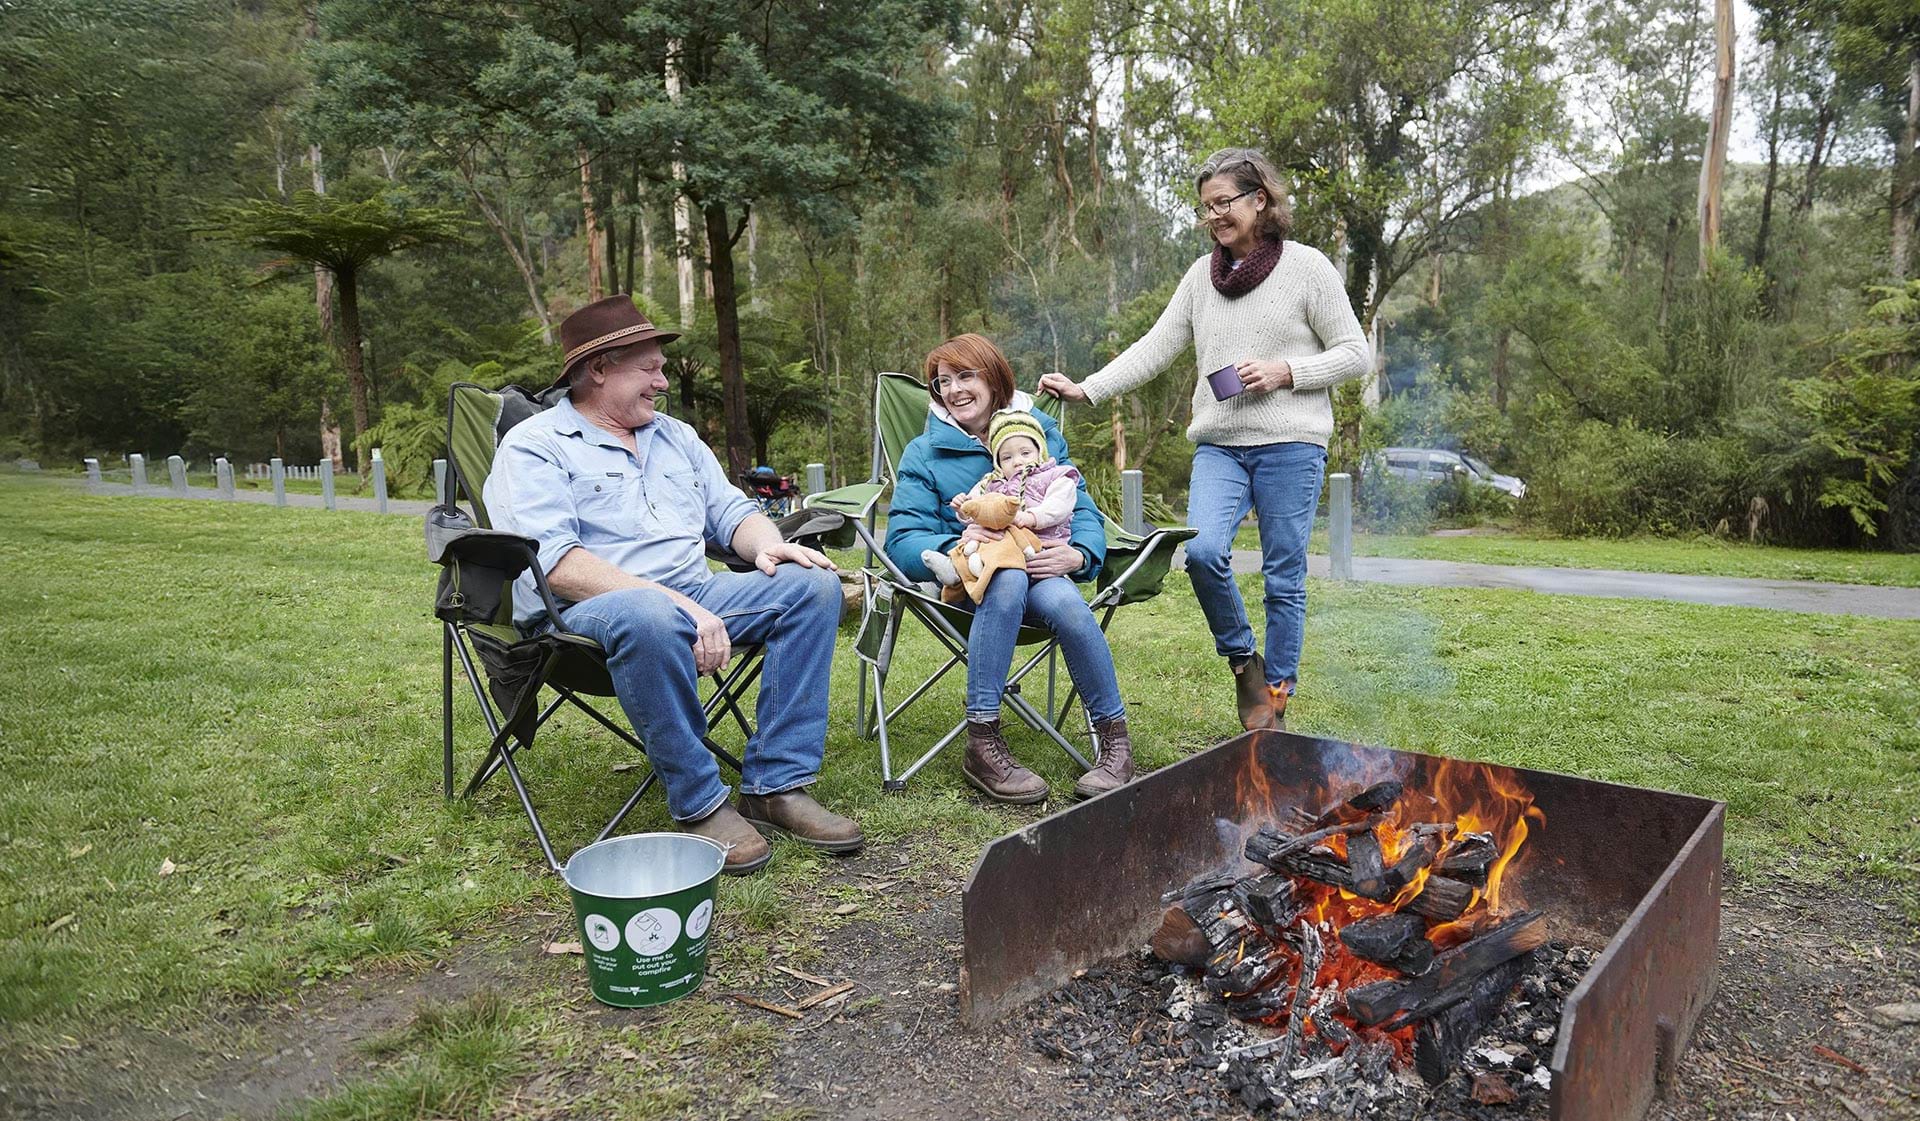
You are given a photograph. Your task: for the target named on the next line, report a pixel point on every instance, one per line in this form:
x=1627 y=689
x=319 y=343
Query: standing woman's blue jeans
x=1281 y=484
x=1053 y=603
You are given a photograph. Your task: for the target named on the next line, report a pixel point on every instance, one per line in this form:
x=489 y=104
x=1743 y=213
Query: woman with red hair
x=969 y=380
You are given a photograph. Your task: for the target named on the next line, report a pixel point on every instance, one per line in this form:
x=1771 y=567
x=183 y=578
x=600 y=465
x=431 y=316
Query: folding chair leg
x=526 y=802
x=446 y=710
x=887 y=782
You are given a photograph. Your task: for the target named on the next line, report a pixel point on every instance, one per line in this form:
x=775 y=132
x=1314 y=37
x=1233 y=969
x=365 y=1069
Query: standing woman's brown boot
x=1250 y=692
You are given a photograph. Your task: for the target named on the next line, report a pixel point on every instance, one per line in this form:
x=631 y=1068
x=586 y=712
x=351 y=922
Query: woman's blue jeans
x=1053 y=603
x=1281 y=484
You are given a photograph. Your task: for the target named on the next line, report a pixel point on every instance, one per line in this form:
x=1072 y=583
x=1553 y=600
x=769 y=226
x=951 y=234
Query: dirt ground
x=1790 y=1035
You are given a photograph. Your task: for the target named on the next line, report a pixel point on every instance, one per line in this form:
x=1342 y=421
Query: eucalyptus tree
x=344 y=237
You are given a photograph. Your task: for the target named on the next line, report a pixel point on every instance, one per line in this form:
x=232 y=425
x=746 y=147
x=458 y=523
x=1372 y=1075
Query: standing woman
x=1269 y=319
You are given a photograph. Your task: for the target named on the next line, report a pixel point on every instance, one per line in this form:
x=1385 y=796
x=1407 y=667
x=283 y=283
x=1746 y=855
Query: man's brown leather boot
x=992 y=769
x=747 y=850
x=794 y=813
x=1113 y=765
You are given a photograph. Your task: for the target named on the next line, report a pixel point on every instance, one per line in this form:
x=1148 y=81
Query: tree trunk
x=520 y=262
x=726 y=322
x=1502 y=342
x=1713 y=166
x=1904 y=178
x=356 y=369
x=323 y=303
x=1119 y=429
x=682 y=206
x=646 y=262
x=592 y=221
x=1773 y=171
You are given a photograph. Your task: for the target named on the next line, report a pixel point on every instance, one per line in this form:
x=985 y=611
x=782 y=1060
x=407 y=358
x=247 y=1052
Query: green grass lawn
x=1701 y=556
x=222 y=744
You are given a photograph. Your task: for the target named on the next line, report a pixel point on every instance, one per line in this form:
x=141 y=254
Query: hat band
x=604 y=339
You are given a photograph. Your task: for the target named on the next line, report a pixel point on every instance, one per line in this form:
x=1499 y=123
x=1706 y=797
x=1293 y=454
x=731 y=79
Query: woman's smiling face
x=1230 y=212
x=966 y=395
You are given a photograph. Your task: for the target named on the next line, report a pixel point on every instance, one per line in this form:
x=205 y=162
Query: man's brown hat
x=604 y=325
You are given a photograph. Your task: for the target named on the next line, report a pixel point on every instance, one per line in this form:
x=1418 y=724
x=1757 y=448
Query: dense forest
x=268 y=228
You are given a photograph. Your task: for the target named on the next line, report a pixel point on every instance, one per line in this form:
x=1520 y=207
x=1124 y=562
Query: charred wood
x=1200 y=887
x=1442 y=899
x=1451 y=978
x=1312 y=951
x=1242 y=969
x=1397 y=940
x=1269 y=899
x=1261 y=1005
x=1222 y=923
x=1418 y=857
x=1367 y=867
x=1468 y=859
x=1269 y=846
x=1375 y=799
x=1180 y=940
x=1442 y=1040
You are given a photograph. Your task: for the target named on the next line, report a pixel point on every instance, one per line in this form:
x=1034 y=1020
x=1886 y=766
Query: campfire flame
x=1473 y=798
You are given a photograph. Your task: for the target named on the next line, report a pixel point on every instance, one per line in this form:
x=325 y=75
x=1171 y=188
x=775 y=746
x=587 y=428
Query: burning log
x=1469 y=858
x=1442 y=899
x=1397 y=940
x=1367 y=868
x=1375 y=799
x=1269 y=846
x=1242 y=969
x=1269 y=900
x=1200 y=887
x=1222 y=923
x=1261 y=1005
x=1180 y=940
x=1442 y=1040
x=1312 y=953
x=1451 y=978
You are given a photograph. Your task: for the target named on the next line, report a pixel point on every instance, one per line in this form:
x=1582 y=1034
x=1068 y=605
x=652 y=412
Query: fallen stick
x=767 y=1006
x=824 y=995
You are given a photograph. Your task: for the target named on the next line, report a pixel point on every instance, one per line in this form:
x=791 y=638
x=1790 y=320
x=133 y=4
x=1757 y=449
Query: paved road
x=1720 y=591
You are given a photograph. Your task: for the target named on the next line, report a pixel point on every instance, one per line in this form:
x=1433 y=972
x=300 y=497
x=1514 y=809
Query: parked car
x=1434 y=464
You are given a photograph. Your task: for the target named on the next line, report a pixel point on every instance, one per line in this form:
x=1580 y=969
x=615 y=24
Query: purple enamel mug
x=1225 y=382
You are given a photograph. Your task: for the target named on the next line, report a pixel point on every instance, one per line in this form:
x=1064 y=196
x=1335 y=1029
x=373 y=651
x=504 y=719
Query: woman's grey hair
x=1250 y=170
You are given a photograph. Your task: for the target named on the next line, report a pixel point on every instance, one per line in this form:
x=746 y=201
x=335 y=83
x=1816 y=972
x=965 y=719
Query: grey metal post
x=439 y=482
x=1340 y=524
x=223 y=477
x=93 y=471
x=816 y=478
x=138 y=463
x=326 y=482
x=177 y=474
x=1132 y=499
x=379 y=480
x=277 y=468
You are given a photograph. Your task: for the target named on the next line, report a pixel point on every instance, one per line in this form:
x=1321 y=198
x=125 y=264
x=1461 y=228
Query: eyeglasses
x=941 y=383
x=1214 y=209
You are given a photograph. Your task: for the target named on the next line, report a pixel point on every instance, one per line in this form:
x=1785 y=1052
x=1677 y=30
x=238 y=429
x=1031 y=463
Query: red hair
x=974 y=352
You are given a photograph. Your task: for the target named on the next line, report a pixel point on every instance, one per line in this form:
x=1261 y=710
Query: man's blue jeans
x=1053 y=603
x=795 y=613
x=1281 y=484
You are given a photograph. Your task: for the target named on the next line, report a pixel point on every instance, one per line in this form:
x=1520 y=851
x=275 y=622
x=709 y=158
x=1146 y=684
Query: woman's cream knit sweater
x=1298 y=313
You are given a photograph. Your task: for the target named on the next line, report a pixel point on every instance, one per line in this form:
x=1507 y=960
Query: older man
x=622 y=501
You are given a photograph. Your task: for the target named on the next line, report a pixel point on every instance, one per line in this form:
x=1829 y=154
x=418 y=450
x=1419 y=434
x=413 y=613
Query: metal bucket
x=644 y=904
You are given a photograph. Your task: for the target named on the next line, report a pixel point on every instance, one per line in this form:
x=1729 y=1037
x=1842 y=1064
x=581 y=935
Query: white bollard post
x=816 y=478
x=177 y=474
x=1132 y=501
x=379 y=481
x=138 y=463
x=93 y=471
x=223 y=477
x=1340 y=525
x=440 y=482
x=326 y=482
x=277 y=469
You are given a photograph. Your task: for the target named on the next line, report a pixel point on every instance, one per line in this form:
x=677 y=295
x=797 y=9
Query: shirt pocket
x=680 y=503
x=604 y=507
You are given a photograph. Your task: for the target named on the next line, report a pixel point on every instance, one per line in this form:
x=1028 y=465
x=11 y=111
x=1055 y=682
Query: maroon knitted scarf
x=1254 y=267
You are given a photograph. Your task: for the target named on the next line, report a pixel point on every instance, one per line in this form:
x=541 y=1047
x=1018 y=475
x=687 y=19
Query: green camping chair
x=475 y=604
x=1135 y=570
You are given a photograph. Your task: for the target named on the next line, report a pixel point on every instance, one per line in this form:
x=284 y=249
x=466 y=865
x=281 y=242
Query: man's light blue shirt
x=567 y=483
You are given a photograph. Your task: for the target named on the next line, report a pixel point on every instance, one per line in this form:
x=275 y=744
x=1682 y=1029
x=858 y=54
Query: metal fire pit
x=1632 y=870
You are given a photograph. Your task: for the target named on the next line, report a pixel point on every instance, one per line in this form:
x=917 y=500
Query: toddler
x=1047 y=491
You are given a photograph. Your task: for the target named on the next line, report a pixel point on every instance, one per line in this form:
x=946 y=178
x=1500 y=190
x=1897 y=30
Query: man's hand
x=981 y=533
x=786 y=552
x=1060 y=385
x=1265 y=377
x=1055 y=560
x=711 y=646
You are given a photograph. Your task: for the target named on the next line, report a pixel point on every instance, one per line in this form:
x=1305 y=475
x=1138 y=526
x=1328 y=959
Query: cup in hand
x=1225 y=382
